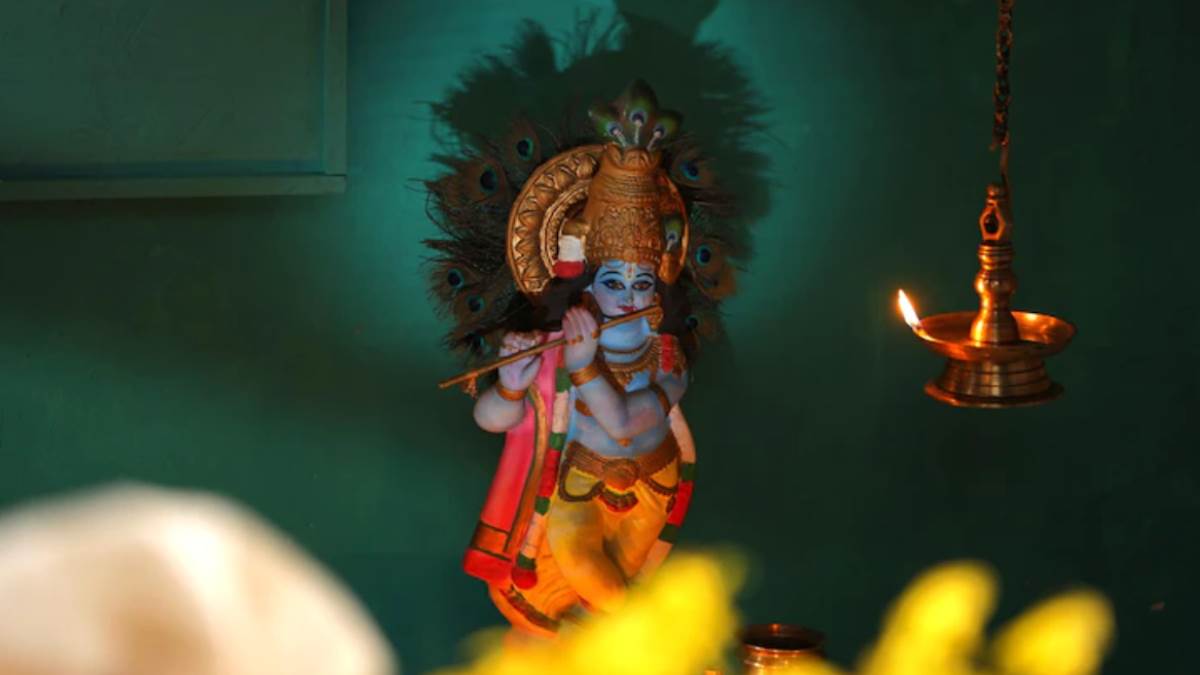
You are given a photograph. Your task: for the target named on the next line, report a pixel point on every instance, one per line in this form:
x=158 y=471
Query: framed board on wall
x=144 y=98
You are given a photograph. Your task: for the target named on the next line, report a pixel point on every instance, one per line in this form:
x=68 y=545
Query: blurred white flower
x=145 y=581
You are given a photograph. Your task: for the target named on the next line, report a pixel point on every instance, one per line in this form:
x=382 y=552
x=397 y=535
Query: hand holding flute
x=521 y=356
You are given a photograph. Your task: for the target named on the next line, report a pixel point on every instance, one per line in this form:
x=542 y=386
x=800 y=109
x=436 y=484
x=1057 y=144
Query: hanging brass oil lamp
x=995 y=356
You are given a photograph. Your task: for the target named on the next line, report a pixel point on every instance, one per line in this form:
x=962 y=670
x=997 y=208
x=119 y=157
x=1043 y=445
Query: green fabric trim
x=541 y=505
x=668 y=534
x=687 y=471
x=525 y=563
x=562 y=380
x=557 y=441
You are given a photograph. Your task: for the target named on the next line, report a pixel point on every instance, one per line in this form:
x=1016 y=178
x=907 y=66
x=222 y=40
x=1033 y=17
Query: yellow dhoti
x=604 y=517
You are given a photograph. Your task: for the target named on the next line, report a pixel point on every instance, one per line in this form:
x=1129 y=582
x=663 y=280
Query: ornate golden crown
x=602 y=202
x=622 y=219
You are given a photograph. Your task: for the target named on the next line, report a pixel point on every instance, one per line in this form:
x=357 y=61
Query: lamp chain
x=1000 y=93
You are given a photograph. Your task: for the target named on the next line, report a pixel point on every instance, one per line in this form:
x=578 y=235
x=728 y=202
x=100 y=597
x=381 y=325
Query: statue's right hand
x=519 y=375
x=582 y=335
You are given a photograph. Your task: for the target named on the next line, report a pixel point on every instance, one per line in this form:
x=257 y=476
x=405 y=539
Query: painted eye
x=614 y=285
x=525 y=148
x=488 y=181
x=642 y=286
x=475 y=303
x=703 y=255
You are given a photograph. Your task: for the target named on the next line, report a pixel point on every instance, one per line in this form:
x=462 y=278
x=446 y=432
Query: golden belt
x=617 y=474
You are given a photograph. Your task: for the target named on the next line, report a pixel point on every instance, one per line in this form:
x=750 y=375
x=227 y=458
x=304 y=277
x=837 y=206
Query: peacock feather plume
x=509 y=112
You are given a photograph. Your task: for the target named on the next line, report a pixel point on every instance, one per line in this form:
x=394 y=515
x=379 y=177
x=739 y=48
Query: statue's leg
x=537 y=611
x=631 y=536
x=575 y=532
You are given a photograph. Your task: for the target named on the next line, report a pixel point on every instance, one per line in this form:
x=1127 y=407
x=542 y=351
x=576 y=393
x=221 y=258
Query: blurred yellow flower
x=936 y=625
x=1066 y=635
x=683 y=620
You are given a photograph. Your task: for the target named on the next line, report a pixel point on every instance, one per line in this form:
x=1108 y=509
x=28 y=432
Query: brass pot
x=770 y=647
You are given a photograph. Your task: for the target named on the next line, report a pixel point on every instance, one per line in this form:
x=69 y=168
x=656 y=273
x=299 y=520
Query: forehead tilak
x=629 y=270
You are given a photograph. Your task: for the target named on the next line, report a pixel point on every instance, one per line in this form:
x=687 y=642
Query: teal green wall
x=281 y=350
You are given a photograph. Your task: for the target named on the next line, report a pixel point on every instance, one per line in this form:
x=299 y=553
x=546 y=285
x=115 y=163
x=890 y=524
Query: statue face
x=622 y=287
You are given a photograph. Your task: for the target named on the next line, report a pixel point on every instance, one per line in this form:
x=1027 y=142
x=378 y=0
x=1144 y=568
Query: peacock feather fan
x=634 y=120
x=509 y=112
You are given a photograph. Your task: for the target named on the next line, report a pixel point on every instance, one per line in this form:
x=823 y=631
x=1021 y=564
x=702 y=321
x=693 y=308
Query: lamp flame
x=906 y=308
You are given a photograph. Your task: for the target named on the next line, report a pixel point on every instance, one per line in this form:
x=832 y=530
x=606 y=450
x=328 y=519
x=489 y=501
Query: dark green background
x=282 y=351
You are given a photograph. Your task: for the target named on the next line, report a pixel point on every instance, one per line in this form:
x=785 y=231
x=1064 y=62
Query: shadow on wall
x=656 y=41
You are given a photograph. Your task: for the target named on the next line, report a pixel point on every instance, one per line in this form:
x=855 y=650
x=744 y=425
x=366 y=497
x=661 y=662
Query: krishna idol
x=584 y=283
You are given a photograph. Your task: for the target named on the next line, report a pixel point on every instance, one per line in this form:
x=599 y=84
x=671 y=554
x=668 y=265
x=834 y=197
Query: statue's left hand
x=581 y=332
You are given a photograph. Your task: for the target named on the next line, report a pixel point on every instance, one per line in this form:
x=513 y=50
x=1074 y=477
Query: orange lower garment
x=593 y=545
